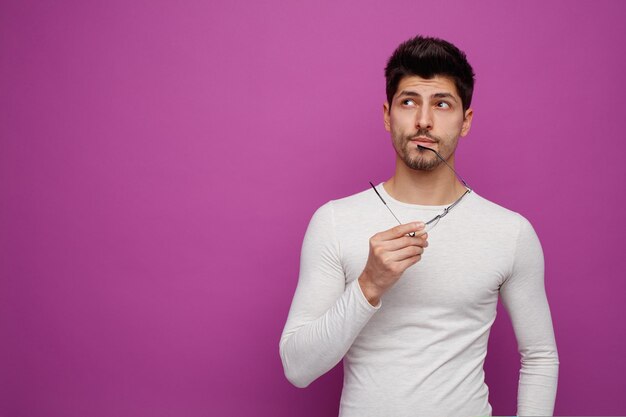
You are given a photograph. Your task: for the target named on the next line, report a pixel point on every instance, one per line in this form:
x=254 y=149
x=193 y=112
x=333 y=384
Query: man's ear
x=467 y=122
x=386 y=116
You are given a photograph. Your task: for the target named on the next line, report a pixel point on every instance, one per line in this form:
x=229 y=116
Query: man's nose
x=424 y=118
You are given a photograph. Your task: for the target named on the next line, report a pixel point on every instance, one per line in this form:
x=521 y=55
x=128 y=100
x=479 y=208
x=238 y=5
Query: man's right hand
x=391 y=253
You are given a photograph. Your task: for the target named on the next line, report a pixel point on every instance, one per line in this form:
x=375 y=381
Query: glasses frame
x=446 y=210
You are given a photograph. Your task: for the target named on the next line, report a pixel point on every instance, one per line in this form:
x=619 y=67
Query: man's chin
x=421 y=164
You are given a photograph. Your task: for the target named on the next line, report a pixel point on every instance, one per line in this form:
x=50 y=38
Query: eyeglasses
x=429 y=225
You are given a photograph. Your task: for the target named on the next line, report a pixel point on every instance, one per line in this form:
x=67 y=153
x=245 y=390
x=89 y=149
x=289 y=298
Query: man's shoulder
x=493 y=208
x=499 y=215
x=358 y=199
x=349 y=209
x=350 y=202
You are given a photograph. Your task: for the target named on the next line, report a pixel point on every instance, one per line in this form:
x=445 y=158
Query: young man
x=410 y=313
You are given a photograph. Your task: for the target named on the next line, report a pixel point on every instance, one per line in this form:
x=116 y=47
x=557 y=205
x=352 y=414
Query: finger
x=403 y=242
x=405 y=264
x=401 y=230
x=406 y=253
x=421 y=232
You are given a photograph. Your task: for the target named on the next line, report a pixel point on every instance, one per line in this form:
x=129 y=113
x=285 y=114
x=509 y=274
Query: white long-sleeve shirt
x=420 y=352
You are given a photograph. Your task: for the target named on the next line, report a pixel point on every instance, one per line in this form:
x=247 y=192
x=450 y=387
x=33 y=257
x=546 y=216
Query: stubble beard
x=424 y=160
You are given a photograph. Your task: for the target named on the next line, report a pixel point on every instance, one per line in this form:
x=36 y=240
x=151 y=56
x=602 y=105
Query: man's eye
x=408 y=102
x=443 y=105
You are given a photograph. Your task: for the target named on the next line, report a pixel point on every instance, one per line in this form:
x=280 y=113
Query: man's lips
x=423 y=141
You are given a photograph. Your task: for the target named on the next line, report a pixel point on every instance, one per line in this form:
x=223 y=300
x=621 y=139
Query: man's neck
x=429 y=188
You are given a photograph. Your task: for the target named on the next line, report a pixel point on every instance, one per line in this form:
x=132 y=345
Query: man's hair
x=428 y=57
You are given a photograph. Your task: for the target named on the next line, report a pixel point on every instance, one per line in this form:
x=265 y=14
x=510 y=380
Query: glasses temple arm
x=381 y=199
x=444 y=161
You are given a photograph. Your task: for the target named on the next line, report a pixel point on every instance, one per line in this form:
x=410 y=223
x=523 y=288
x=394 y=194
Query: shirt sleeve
x=524 y=297
x=326 y=314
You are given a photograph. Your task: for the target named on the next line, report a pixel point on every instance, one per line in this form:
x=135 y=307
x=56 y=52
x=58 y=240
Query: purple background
x=160 y=161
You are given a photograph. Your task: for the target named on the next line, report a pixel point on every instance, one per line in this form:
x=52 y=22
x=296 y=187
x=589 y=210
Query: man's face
x=426 y=112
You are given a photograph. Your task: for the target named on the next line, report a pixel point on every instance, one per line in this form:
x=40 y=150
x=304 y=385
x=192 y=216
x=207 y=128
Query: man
x=410 y=313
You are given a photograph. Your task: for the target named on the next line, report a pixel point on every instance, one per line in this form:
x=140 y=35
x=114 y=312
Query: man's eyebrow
x=444 y=95
x=409 y=93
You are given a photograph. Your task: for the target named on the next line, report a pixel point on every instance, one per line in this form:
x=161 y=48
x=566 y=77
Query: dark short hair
x=428 y=57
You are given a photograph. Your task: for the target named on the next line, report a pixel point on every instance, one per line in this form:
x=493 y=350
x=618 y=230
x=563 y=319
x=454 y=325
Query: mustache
x=423 y=133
